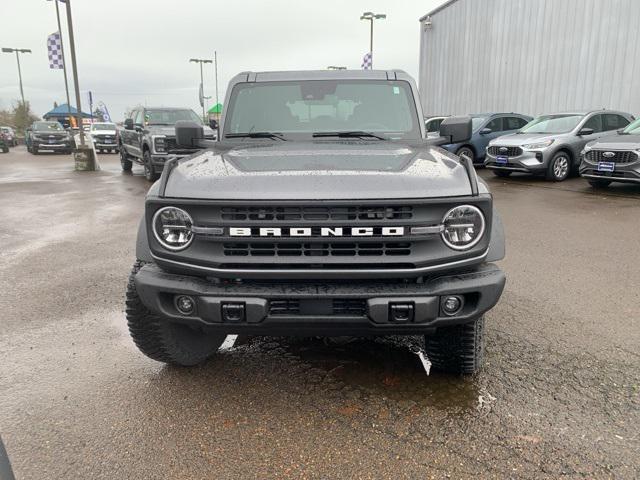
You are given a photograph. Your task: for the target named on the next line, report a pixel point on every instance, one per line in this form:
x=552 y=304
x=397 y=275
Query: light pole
x=371 y=17
x=18 y=52
x=215 y=57
x=85 y=155
x=64 y=63
x=333 y=67
x=202 y=97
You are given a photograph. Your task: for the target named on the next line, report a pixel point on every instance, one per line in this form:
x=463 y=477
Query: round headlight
x=172 y=228
x=463 y=227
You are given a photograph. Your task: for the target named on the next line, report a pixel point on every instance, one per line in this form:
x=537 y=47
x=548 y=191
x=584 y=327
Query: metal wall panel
x=531 y=56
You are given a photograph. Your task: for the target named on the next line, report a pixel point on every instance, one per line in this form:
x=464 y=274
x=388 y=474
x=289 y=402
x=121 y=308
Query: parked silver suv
x=614 y=158
x=551 y=144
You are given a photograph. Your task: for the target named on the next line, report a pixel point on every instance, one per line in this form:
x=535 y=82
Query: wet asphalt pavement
x=559 y=395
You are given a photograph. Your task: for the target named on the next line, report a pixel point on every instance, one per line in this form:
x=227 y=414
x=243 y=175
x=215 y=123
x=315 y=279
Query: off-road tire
x=596 y=183
x=502 y=173
x=165 y=341
x=556 y=172
x=458 y=349
x=149 y=171
x=125 y=162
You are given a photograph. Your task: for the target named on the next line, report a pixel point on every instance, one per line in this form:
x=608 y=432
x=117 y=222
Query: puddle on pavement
x=383 y=366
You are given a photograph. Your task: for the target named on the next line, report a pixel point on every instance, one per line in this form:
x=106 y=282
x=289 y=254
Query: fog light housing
x=185 y=304
x=451 y=304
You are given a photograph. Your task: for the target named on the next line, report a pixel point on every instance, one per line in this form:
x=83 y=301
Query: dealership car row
x=603 y=146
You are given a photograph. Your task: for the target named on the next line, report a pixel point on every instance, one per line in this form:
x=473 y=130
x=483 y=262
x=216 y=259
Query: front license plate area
x=606 y=166
x=502 y=159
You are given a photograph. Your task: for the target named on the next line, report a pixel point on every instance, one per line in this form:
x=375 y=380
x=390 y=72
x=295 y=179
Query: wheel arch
x=497 y=243
x=469 y=146
x=142 y=242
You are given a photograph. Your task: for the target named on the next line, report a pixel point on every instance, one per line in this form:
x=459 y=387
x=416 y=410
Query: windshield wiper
x=349 y=134
x=274 y=135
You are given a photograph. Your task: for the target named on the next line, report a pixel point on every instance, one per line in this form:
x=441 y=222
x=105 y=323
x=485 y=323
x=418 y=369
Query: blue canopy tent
x=61 y=114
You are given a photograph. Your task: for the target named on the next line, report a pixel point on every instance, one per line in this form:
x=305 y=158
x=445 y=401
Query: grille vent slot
x=318 y=214
x=299 y=249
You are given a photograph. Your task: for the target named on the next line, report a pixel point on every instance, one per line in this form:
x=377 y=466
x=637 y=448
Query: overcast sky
x=134 y=52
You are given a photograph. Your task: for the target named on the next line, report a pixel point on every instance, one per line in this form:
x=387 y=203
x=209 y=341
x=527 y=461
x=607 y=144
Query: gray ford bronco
x=323 y=209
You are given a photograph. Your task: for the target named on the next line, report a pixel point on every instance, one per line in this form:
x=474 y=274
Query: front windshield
x=300 y=109
x=477 y=122
x=103 y=126
x=633 y=128
x=47 y=126
x=552 y=124
x=169 y=116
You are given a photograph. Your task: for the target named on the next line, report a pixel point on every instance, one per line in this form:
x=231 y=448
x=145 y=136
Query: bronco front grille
x=299 y=249
x=362 y=213
x=595 y=156
x=347 y=307
x=507 y=152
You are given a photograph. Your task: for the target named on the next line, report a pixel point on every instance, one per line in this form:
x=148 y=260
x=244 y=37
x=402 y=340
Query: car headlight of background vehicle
x=159 y=145
x=534 y=146
x=172 y=228
x=463 y=227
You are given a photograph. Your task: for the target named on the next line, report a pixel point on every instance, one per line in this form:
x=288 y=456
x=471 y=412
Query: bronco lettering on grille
x=316 y=232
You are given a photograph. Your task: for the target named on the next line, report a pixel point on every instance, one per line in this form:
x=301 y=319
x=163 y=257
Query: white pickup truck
x=104 y=136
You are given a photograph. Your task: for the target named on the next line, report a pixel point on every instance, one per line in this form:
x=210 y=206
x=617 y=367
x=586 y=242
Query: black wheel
x=125 y=163
x=149 y=172
x=165 y=341
x=502 y=173
x=468 y=152
x=34 y=150
x=5 y=149
x=559 y=167
x=457 y=349
x=596 y=183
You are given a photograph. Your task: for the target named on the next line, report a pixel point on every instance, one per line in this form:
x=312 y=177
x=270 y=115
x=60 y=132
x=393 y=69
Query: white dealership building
x=530 y=56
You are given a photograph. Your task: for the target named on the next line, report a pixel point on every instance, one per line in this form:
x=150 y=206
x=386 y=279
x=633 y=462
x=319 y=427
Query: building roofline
x=436 y=10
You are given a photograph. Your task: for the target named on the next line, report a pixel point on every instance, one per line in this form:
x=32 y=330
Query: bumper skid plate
x=323 y=308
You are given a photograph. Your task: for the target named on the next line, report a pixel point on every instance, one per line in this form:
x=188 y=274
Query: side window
x=514 y=123
x=434 y=125
x=495 y=125
x=138 y=118
x=614 y=122
x=594 y=123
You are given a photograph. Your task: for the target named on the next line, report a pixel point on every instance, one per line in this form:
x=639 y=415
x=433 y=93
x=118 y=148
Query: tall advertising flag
x=366 y=61
x=54 y=48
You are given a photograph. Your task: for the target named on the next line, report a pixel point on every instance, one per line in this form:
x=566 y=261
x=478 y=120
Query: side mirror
x=188 y=133
x=128 y=124
x=456 y=129
x=585 y=132
x=485 y=131
x=213 y=123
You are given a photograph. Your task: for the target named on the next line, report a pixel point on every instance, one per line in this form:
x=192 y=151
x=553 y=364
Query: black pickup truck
x=148 y=138
x=324 y=209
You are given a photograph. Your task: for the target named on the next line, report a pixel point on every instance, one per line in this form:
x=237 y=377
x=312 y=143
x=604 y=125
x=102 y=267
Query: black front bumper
x=480 y=289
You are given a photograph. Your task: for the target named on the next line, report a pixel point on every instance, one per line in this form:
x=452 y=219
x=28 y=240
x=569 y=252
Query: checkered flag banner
x=54 y=47
x=366 y=62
